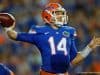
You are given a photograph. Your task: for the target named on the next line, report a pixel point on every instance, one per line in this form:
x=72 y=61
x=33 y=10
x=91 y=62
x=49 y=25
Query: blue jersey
x=56 y=46
x=4 y=70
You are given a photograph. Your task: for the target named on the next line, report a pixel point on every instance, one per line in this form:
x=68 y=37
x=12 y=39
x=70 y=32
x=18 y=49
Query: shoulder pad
x=37 y=29
x=39 y=26
x=69 y=27
x=72 y=30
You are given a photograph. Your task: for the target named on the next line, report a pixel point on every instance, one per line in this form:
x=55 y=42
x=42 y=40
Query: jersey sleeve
x=29 y=37
x=73 y=49
x=25 y=37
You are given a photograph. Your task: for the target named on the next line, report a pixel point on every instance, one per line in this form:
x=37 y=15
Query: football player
x=4 y=70
x=55 y=40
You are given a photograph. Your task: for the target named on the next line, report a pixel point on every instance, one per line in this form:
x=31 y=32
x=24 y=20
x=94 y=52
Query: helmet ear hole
x=46 y=20
x=46 y=17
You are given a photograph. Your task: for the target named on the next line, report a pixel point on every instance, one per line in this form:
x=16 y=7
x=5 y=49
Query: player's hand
x=7 y=21
x=94 y=42
x=6 y=29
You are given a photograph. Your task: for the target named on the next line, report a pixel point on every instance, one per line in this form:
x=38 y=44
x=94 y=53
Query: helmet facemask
x=59 y=17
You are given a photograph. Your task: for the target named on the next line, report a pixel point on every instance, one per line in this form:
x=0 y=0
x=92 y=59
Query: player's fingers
x=97 y=41
x=13 y=26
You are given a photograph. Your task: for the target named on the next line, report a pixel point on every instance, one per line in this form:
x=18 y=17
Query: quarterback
x=55 y=40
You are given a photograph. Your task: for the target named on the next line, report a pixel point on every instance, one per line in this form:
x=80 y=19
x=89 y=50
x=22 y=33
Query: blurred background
x=24 y=58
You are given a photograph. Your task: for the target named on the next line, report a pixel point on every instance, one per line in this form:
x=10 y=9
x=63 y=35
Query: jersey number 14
x=61 y=46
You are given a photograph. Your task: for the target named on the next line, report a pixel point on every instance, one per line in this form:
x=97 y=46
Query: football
x=6 y=20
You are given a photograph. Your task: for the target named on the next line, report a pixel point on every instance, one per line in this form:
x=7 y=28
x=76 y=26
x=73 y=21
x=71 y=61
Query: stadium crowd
x=24 y=58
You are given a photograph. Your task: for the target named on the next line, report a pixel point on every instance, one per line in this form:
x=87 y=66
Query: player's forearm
x=12 y=34
x=81 y=55
x=87 y=50
x=77 y=59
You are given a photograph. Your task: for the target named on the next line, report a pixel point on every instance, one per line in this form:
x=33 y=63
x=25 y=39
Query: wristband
x=86 y=51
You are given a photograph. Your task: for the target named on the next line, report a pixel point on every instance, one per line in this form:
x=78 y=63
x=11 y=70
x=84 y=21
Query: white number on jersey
x=61 y=46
